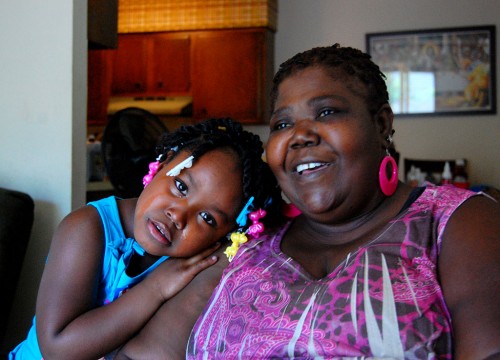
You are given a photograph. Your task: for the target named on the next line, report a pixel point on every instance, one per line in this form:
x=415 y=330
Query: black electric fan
x=128 y=146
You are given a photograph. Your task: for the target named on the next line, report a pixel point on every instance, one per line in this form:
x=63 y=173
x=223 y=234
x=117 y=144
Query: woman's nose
x=304 y=134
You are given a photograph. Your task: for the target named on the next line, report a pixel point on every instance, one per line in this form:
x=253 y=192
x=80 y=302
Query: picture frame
x=449 y=71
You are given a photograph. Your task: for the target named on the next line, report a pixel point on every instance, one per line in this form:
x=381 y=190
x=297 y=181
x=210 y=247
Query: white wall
x=42 y=136
x=305 y=24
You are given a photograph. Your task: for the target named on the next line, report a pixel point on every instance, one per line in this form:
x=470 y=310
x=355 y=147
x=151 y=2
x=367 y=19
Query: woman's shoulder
x=439 y=204
x=469 y=269
x=260 y=250
x=442 y=200
x=477 y=211
x=446 y=193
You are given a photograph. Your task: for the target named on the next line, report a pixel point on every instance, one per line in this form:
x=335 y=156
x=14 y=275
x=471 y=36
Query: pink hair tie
x=153 y=169
x=257 y=227
x=238 y=238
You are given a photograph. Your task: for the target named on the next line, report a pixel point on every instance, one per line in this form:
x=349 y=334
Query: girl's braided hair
x=352 y=62
x=214 y=133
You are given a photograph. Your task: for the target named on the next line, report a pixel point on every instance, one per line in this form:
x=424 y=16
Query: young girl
x=208 y=178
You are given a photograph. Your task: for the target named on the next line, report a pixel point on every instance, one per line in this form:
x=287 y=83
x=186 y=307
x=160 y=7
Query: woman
x=371 y=268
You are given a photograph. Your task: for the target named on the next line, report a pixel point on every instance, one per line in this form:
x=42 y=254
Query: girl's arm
x=166 y=334
x=469 y=268
x=69 y=326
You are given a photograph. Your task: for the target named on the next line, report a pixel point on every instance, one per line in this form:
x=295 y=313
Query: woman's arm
x=69 y=326
x=469 y=269
x=166 y=335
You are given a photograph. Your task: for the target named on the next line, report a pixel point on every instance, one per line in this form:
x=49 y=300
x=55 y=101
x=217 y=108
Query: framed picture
x=439 y=71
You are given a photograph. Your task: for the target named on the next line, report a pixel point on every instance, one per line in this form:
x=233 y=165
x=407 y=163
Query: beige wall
x=304 y=24
x=42 y=136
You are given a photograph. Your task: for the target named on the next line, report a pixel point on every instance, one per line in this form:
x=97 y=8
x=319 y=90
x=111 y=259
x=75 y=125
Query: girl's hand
x=155 y=340
x=173 y=275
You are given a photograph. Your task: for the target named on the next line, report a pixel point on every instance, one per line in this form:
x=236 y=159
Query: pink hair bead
x=153 y=169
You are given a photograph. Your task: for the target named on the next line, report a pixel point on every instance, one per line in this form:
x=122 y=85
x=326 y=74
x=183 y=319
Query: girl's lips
x=159 y=232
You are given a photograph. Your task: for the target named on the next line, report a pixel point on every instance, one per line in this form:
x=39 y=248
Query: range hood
x=158 y=105
x=102 y=24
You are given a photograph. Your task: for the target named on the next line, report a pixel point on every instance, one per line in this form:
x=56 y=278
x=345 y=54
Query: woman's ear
x=384 y=119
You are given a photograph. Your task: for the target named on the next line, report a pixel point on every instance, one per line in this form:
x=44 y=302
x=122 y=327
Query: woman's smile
x=308 y=168
x=323 y=140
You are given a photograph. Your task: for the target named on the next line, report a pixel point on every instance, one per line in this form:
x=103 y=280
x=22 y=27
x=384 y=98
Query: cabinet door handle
x=160 y=84
x=137 y=86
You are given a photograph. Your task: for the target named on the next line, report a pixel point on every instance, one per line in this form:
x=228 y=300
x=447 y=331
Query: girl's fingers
x=205 y=253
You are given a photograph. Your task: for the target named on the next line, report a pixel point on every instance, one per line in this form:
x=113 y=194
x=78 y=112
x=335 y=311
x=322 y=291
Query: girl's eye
x=183 y=189
x=209 y=219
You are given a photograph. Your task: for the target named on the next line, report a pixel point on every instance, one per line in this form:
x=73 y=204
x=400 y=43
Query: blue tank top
x=113 y=282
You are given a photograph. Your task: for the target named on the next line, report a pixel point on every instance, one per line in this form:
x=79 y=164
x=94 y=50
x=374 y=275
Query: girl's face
x=324 y=146
x=181 y=215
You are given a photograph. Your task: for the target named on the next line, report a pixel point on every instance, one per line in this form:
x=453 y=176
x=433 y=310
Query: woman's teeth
x=302 y=167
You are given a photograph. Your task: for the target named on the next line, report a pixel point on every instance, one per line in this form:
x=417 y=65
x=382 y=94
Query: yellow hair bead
x=237 y=239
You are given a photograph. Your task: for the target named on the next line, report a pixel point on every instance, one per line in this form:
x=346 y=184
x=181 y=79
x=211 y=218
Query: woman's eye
x=183 y=189
x=280 y=125
x=326 y=112
x=209 y=219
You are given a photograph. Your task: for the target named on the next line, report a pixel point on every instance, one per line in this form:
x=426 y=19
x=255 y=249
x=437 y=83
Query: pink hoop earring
x=388 y=186
x=291 y=211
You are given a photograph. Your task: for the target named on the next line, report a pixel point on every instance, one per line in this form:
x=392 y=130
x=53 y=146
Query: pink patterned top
x=383 y=301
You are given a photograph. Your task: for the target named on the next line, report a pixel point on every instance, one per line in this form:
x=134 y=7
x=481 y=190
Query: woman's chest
x=276 y=302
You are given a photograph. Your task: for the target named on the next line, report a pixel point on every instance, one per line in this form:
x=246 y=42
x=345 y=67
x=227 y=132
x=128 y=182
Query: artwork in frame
x=439 y=71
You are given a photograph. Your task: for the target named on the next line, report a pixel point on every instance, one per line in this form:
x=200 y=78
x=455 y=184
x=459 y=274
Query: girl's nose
x=177 y=215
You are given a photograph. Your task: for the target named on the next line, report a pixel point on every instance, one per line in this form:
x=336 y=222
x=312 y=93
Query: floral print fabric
x=383 y=301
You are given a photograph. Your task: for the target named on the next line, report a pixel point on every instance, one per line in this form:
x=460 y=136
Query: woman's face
x=324 y=146
x=181 y=215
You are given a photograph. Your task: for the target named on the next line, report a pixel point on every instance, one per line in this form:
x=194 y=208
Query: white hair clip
x=176 y=170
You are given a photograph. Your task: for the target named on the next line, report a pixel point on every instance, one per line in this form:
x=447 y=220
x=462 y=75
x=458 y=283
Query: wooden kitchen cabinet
x=232 y=72
x=227 y=73
x=170 y=64
x=152 y=64
x=100 y=67
x=129 y=66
